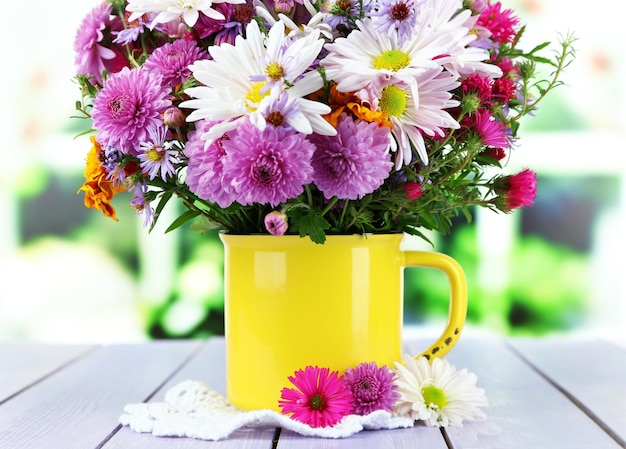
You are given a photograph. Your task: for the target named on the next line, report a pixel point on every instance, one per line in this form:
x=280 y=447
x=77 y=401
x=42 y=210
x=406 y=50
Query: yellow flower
x=99 y=190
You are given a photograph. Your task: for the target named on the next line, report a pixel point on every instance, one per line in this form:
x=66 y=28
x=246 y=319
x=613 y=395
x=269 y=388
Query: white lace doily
x=191 y=409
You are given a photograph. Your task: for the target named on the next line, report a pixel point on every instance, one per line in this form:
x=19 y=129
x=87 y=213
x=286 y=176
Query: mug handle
x=458 y=297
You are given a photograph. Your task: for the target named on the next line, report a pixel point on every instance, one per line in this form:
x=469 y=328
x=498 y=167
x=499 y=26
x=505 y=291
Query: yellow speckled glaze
x=291 y=303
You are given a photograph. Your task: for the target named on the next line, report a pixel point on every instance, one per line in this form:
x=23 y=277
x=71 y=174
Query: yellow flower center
x=393 y=60
x=254 y=96
x=155 y=154
x=434 y=397
x=275 y=71
x=393 y=101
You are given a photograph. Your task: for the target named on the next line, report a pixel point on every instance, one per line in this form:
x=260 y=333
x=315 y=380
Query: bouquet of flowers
x=309 y=117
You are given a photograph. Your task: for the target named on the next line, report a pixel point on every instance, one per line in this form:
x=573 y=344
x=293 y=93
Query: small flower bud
x=413 y=190
x=276 y=223
x=517 y=190
x=173 y=117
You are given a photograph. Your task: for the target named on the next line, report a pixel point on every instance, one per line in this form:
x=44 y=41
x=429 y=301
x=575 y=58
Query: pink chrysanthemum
x=320 y=398
x=130 y=103
x=492 y=132
x=500 y=23
x=520 y=189
x=372 y=387
x=90 y=54
x=267 y=166
x=172 y=60
x=354 y=162
x=205 y=170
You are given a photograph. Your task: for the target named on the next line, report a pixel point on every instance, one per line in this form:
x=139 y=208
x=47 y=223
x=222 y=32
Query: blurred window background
x=70 y=274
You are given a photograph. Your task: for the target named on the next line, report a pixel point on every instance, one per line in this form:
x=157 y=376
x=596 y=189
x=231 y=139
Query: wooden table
x=546 y=393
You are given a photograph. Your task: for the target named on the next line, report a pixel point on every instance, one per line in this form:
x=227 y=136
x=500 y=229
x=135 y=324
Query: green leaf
x=202 y=225
x=314 y=224
x=162 y=202
x=184 y=218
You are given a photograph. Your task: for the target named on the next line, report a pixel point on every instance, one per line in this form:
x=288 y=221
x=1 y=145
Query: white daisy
x=367 y=58
x=437 y=393
x=315 y=23
x=416 y=109
x=230 y=93
x=169 y=10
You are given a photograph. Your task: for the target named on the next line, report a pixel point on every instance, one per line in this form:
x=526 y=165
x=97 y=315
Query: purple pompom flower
x=353 y=163
x=267 y=166
x=172 y=60
x=130 y=103
x=205 y=168
x=276 y=223
x=90 y=53
x=372 y=387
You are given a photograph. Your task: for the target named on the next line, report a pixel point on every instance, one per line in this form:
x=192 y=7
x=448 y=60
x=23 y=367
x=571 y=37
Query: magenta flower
x=500 y=23
x=520 y=189
x=90 y=54
x=130 y=103
x=353 y=163
x=413 y=190
x=172 y=60
x=492 y=132
x=276 y=223
x=266 y=166
x=205 y=169
x=372 y=387
x=320 y=398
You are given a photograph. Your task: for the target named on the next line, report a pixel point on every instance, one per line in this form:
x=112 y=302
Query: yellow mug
x=291 y=303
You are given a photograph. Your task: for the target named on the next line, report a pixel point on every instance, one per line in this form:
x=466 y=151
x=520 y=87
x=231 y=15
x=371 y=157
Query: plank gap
x=610 y=432
x=51 y=373
x=446 y=438
x=276 y=437
x=176 y=370
x=106 y=439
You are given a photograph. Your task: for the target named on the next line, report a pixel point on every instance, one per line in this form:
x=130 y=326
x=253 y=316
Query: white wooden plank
x=525 y=411
x=207 y=366
x=416 y=437
x=592 y=372
x=77 y=407
x=24 y=363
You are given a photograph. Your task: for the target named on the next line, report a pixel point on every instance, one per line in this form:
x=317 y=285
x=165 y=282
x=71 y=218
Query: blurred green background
x=70 y=274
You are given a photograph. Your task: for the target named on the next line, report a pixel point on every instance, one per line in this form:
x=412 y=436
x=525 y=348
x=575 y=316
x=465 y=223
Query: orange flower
x=99 y=191
x=346 y=100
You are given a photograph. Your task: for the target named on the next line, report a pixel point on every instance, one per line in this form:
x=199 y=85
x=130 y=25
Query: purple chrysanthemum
x=205 y=168
x=130 y=103
x=90 y=55
x=320 y=398
x=172 y=60
x=353 y=163
x=372 y=387
x=267 y=166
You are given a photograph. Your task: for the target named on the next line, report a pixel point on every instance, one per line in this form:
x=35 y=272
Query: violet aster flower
x=156 y=155
x=205 y=168
x=90 y=54
x=372 y=387
x=392 y=15
x=172 y=60
x=130 y=103
x=320 y=398
x=353 y=163
x=141 y=206
x=267 y=166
